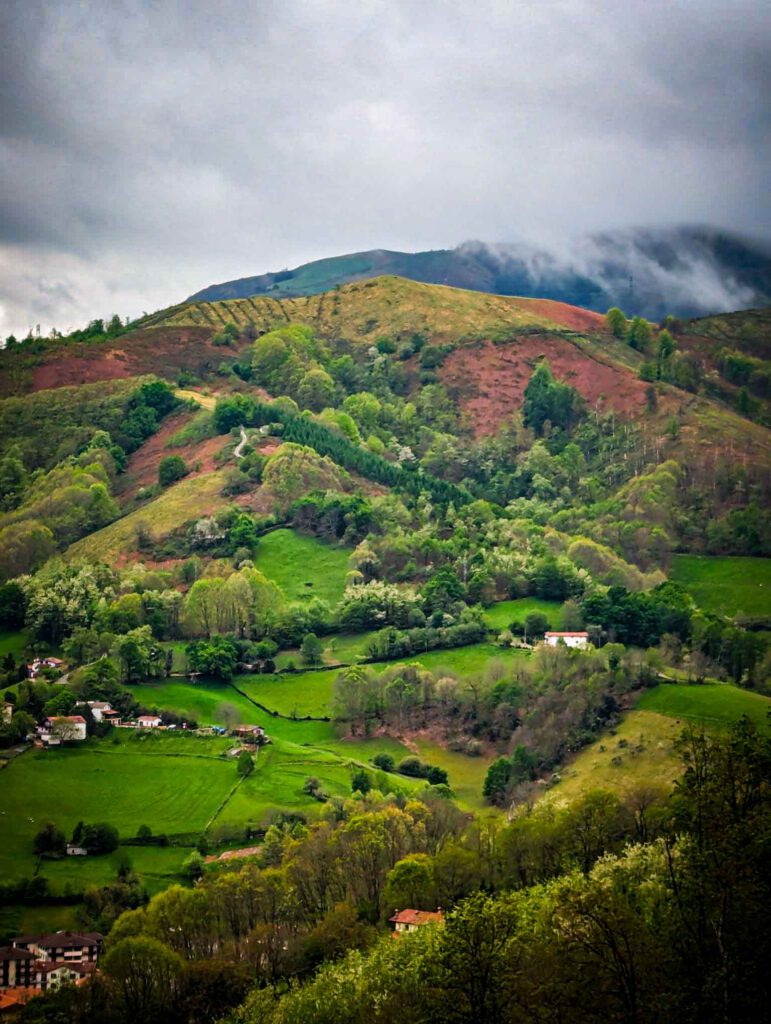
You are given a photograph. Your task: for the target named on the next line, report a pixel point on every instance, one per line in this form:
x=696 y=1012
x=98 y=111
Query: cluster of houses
x=36 y=963
x=34 y=668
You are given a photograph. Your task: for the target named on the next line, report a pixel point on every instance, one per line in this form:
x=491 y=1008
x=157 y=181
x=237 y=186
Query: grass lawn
x=18 y=919
x=465 y=775
x=500 y=615
x=638 y=752
x=13 y=643
x=302 y=566
x=725 y=585
x=155 y=782
x=310 y=693
x=341 y=647
x=208 y=702
x=715 y=704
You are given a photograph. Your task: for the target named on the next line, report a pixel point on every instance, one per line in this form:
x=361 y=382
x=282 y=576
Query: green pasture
x=465 y=774
x=501 y=615
x=725 y=585
x=302 y=566
x=156 y=783
x=13 y=643
x=713 y=704
x=310 y=693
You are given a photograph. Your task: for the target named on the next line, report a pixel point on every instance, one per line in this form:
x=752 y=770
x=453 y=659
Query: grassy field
x=190 y=498
x=302 y=566
x=717 y=704
x=725 y=585
x=466 y=775
x=638 y=752
x=310 y=693
x=500 y=615
x=13 y=643
x=157 y=781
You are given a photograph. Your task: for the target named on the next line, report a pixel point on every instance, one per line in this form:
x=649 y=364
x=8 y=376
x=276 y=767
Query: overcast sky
x=148 y=149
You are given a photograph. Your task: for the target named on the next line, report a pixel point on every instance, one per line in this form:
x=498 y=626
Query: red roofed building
x=411 y=920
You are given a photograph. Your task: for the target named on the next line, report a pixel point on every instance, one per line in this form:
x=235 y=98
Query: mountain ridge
x=686 y=271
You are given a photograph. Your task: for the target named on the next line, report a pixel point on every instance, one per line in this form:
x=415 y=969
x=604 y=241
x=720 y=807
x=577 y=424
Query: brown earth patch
x=164 y=351
x=573 y=317
x=489 y=380
x=142 y=467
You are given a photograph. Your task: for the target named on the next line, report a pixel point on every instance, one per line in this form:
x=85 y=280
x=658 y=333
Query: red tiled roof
x=60 y=939
x=574 y=633
x=69 y=718
x=416 y=917
x=13 y=953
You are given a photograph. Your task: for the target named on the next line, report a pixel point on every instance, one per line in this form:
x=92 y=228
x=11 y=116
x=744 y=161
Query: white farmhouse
x=579 y=639
x=67 y=727
x=149 y=721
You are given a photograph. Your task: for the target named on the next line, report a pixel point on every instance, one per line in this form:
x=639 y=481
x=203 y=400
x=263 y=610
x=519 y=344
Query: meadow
x=302 y=566
x=713 y=704
x=167 y=782
x=14 y=643
x=726 y=585
x=501 y=615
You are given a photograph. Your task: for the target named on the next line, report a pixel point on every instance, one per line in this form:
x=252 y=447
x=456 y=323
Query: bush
x=171 y=469
x=384 y=762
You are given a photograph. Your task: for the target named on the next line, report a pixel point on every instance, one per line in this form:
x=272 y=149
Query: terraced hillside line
x=241 y=779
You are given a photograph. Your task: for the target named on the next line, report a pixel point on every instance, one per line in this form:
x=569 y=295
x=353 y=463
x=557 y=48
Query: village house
x=76 y=851
x=37 y=963
x=255 y=733
x=101 y=711
x=68 y=947
x=578 y=639
x=65 y=728
x=149 y=721
x=36 y=667
x=411 y=920
x=17 y=967
x=7 y=712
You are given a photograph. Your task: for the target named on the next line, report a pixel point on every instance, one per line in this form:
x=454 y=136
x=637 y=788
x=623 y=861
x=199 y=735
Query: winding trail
x=238 y=450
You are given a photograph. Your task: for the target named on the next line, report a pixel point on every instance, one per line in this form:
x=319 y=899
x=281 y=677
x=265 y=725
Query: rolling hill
x=686 y=271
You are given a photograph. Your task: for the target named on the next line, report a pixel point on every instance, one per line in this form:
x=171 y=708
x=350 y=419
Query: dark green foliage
x=442 y=591
x=12 y=606
x=548 y=400
x=361 y=782
x=97 y=839
x=245 y=765
x=639 y=620
x=496 y=781
x=215 y=657
x=172 y=468
x=305 y=431
x=384 y=762
x=311 y=650
x=345 y=517
x=50 y=841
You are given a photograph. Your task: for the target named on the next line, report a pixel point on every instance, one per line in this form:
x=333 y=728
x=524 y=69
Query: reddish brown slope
x=489 y=380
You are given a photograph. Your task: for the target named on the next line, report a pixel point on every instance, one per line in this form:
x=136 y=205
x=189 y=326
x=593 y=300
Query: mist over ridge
x=683 y=270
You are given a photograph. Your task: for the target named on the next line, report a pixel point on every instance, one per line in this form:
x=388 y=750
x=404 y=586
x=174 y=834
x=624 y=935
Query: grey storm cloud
x=148 y=149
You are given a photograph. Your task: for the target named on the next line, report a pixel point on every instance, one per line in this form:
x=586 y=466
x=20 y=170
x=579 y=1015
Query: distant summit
x=687 y=271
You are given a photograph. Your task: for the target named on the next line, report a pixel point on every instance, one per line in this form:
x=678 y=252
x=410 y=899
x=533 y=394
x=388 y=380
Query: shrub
x=171 y=469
